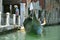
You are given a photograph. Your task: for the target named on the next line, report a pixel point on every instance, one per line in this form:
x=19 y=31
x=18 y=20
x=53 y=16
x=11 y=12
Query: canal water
x=50 y=33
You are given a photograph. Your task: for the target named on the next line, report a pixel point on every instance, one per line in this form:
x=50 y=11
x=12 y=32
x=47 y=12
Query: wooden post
x=0 y=18
x=7 y=18
x=14 y=19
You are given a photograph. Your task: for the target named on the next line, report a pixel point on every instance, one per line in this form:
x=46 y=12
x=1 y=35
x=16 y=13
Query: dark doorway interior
x=6 y=8
x=7 y=3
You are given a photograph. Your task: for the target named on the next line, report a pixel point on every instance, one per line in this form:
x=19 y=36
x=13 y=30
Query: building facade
x=6 y=3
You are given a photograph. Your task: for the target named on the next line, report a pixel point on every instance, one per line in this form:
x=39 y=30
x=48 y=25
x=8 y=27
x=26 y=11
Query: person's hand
x=44 y=22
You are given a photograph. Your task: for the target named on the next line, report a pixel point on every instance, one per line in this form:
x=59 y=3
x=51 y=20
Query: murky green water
x=51 y=33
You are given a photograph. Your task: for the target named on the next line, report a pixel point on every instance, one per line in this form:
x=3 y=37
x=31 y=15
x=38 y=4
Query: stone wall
x=1 y=5
x=52 y=15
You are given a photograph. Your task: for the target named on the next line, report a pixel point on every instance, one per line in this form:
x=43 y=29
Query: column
x=7 y=18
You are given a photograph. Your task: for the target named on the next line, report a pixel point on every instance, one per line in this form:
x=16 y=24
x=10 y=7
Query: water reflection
x=17 y=35
x=50 y=33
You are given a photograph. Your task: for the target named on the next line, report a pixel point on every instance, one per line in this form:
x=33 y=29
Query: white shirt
x=31 y=6
x=36 y=5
